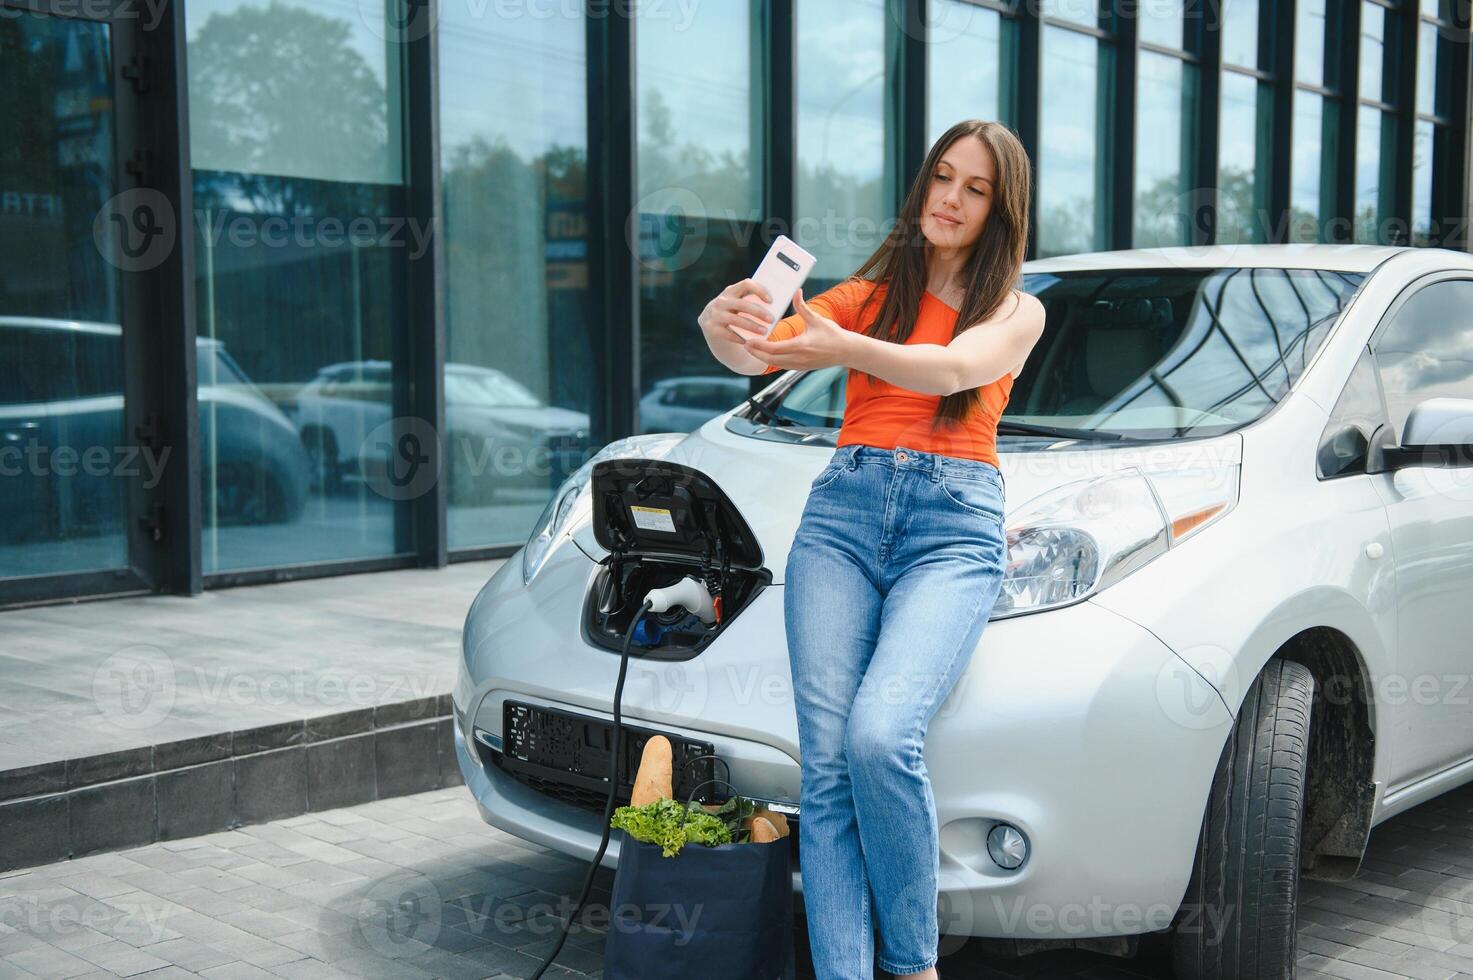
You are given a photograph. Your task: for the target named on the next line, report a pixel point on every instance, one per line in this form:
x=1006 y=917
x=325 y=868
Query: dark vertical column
x=1208 y=14
x=1403 y=60
x=911 y=88
x=1344 y=42
x=1030 y=93
x=160 y=304
x=775 y=127
x=1125 y=20
x=423 y=343
x=1278 y=41
x=613 y=232
x=1454 y=212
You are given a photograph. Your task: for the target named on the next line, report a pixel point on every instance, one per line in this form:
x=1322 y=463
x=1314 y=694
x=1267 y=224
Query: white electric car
x=1232 y=637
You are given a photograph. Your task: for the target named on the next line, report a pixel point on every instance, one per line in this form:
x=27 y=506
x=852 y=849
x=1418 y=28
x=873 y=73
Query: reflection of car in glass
x=69 y=395
x=500 y=434
x=1232 y=501
x=681 y=404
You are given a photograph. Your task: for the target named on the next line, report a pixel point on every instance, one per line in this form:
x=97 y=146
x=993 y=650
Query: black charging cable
x=613 y=791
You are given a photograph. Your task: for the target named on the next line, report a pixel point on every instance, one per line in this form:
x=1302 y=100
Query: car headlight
x=1079 y=538
x=571 y=499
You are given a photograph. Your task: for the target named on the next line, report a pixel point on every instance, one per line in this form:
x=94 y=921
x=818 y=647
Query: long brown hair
x=991 y=271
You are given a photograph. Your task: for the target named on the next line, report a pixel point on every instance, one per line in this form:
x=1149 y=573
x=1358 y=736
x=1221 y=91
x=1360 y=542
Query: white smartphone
x=782 y=271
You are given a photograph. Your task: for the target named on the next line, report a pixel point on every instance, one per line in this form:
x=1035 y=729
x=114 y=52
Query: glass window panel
x=699 y=179
x=63 y=453
x=1374 y=175
x=301 y=242
x=970 y=71
x=1160 y=22
x=844 y=209
x=1243 y=139
x=1428 y=50
x=1084 y=12
x=1165 y=135
x=1309 y=42
x=1379 y=35
x=1422 y=160
x=1312 y=190
x=343 y=46
x=1240 y=32
x=519 y=366
x=1071 y=168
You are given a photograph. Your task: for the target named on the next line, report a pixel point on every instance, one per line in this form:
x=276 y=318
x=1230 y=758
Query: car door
x=1423 y=348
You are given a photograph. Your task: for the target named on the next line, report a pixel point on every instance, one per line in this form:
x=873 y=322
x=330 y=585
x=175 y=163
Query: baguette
x=653 y=781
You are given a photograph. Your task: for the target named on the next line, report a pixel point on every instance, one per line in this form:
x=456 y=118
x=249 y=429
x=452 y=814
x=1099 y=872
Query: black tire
x=1238 y=916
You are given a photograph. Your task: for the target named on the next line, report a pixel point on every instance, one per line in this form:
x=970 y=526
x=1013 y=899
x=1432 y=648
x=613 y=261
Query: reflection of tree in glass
x=502 y=310
x=1066 y=228
x=279 y=90
x=723 y=183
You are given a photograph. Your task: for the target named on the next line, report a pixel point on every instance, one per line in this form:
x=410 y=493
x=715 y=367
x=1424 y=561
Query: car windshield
x=1145 y=354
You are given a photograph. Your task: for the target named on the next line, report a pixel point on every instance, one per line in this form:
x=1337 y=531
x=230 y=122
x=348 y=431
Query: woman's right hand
x=724 y=319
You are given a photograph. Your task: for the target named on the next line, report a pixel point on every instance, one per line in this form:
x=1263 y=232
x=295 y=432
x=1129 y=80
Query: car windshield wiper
x=766 y=415
x=1007 y=427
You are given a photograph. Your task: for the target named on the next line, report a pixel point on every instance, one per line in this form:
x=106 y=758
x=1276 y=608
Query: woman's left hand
x=822 y=343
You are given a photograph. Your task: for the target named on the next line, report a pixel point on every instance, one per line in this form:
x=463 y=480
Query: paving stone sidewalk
x=419 y=886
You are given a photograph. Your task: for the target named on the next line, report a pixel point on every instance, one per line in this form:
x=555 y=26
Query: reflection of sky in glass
x=1309 y=41
x=963 y=70
x=1372 y=45
x=1308 y=158
x=1158 y=150
x=1240 y=32
x=1427 y=52
x=701 y=73
x=1240 y=218
x=841 y=205
x=1080 y=11
x=1238 y=130
x=1160 y=22
x=517 y=79
x=1422 y=183
x=1071 y=148
x=1367 y=172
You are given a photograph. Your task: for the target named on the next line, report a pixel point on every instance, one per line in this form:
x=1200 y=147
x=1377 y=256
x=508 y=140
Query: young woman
x=900 y=553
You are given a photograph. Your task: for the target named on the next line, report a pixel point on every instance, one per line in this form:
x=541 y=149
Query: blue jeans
x=893 y=573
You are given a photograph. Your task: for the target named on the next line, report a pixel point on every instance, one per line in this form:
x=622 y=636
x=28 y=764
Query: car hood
x=768 y=481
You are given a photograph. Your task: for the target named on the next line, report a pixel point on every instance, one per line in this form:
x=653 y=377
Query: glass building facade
x=306 y=287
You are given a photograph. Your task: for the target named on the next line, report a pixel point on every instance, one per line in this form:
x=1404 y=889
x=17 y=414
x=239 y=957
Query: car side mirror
x=1437 y=432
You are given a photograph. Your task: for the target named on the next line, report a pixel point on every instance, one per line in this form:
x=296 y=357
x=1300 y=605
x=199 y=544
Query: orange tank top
x=881 y=414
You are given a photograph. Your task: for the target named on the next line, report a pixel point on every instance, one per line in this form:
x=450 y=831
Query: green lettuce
x=672 y=825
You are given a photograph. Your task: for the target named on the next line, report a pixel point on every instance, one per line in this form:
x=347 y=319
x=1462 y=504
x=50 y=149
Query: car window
x=1358 y=412
x=1425 y=349
x=1150 y=353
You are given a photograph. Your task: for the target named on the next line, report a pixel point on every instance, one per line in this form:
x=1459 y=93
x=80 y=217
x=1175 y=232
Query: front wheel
x=1238 y=917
